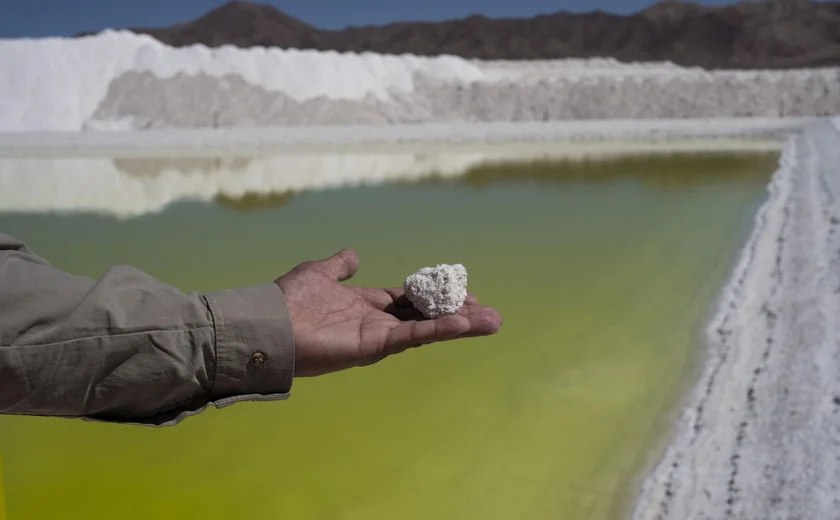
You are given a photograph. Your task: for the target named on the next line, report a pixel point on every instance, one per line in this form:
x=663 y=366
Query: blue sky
x=36 y=18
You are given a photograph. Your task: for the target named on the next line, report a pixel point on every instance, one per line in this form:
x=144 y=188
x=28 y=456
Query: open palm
x=338 y=326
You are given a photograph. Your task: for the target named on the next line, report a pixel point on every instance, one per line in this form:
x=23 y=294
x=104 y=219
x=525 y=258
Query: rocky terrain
x=772 y=34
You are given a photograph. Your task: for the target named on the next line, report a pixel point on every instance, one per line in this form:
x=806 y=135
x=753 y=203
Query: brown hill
x=769 y=34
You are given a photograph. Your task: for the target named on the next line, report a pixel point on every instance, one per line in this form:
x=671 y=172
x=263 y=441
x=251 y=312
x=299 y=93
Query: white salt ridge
x=122 y=81
x=57 y=83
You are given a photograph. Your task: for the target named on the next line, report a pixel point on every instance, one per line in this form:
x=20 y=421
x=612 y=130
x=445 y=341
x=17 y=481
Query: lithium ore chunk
x=437 y=291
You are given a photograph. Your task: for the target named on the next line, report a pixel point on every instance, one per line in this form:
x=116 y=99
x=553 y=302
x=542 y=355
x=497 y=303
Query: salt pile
x=122 y=81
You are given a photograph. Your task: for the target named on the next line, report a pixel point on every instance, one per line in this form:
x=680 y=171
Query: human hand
x=338 y=326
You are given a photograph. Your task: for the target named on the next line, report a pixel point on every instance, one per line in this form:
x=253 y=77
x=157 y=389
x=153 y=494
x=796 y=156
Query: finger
x=398 y=297
x=471 y=300
x=484 y=321
x=473 y=310
x=342 y=265
x=415 y=333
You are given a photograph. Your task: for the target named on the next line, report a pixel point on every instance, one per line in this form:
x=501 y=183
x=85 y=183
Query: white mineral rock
x=437 y=291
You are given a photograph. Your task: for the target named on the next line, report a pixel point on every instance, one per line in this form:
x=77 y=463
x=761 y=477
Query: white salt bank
x=760 y=432
x=437 y=291
x=119 y=81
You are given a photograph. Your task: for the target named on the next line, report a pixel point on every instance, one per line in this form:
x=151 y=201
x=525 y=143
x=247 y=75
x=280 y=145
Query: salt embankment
x=760 y=433
x=716 y=133
x=122 y=81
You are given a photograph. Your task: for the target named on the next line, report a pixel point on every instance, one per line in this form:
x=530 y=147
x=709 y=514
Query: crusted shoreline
x=758 y=435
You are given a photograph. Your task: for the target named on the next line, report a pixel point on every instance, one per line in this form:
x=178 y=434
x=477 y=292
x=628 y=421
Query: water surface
x=603 y=270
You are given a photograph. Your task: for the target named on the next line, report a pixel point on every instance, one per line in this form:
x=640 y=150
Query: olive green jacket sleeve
x=128 y=348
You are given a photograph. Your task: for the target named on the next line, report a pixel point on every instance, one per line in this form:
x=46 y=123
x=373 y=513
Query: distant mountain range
x=769 y=34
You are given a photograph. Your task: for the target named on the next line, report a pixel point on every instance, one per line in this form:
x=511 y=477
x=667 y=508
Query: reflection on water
x=130 y=187
x=695 y=169
x=603 y=270
x=254 y=201
x=157 y=166
x=127 y=187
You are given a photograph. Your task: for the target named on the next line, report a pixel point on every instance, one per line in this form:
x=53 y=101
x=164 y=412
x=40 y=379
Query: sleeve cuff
x=255 y=351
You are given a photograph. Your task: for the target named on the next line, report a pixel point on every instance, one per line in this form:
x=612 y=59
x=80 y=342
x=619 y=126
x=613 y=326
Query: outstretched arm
x=129 y=348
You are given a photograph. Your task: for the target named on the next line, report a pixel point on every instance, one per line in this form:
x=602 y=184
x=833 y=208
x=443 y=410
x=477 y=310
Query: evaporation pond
x=604 y=272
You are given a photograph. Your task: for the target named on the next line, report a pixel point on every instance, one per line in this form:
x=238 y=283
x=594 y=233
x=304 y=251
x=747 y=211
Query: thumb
x=342 y=265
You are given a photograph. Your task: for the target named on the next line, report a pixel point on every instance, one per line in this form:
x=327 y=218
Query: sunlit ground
x=604 y=273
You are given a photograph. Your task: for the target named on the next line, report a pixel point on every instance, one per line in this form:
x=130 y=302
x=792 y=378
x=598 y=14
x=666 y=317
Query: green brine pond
x=604 y=270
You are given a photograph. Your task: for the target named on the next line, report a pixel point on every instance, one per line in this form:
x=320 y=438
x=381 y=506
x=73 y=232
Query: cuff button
x=258 y=359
